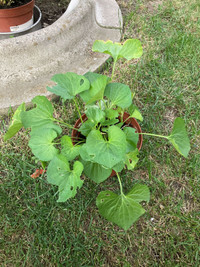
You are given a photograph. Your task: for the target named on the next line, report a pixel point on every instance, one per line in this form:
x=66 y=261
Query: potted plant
x=104 y=139
x=16 y=15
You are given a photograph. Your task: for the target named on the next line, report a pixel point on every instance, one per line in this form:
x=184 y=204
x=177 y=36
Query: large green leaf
x=179 y=137
x=86 y=127
x=122 y=209
x=139 y=193
x=132 y=138
x=40 y=116
x=119 y=94
x=95 y=171
x=107 y=152
x=111 y=113
x=68 y=149
x=95 y=114
x=16 y=123
x=131 y=48
x=69 y=85
x=97 y=87
x=132 y=159
x=108 y=47
x=41 y=144
x=135 y=113
x=59 y=173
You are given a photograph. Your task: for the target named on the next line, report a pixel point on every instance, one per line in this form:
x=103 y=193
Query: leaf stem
x=113 y=69
x=156 y=135
x=78 y=110
x=66 y=124
x=120 y=183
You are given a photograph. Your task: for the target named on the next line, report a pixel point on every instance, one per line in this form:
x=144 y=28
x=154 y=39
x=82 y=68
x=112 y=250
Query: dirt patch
x=152 y=6
x=51 y=10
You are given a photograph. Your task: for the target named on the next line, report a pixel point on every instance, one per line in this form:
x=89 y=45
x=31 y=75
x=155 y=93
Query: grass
x=37 y=231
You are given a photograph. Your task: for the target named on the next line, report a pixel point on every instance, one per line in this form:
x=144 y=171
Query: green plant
x=106 y=142
x=6 y=2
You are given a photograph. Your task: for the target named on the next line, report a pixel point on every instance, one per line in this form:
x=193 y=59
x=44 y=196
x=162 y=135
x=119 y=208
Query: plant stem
x=127 y=119
x=78 y=110
x=66 y=124
x=120 y=183
x=156 y=135
x=113 y=70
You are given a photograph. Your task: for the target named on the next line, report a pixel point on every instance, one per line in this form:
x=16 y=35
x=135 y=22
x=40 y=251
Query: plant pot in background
x=130 y=122
x=17 y=18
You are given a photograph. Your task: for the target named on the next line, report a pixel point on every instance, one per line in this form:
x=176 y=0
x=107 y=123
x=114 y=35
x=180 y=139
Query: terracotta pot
x=130 y=122
x=17 y=18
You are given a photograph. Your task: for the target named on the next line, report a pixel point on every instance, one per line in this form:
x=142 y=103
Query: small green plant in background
x=104 y=143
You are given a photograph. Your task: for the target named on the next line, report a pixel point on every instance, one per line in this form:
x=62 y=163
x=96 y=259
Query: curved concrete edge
x=28 y=62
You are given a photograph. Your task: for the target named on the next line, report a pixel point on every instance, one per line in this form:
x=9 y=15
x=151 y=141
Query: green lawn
x=35 y=230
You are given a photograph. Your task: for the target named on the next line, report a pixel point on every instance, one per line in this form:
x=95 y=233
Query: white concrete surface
x=28 y=62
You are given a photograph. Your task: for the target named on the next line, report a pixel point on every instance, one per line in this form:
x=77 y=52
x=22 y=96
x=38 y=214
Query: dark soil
x=51 y=10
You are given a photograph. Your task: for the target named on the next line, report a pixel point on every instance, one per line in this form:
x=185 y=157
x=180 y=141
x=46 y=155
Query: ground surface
x=35 y=230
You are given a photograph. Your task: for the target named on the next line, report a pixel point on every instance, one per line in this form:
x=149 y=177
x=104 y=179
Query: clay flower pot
x=17 y=18
x=130 y=122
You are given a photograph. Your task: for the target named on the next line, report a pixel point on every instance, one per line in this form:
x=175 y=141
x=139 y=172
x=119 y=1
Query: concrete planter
x=28 y=62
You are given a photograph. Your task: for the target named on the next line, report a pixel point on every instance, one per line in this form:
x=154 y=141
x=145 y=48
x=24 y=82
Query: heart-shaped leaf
x=16 y=123
x=119 y=94
x=111 y=113
x=41 y=144
x=122 y=209
x=132 y=138
x=69 y=85
x=40 y=116
x=68 y=149
x=119 y=166
x=107 y=152
x=132 y=159
x=86 y=127
x=108 y=47
x=59 y=173
x=95 y=114
x=135 y=113
x=179 y=137
x=96 y=172
x=131 y=48
x=98 y=84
